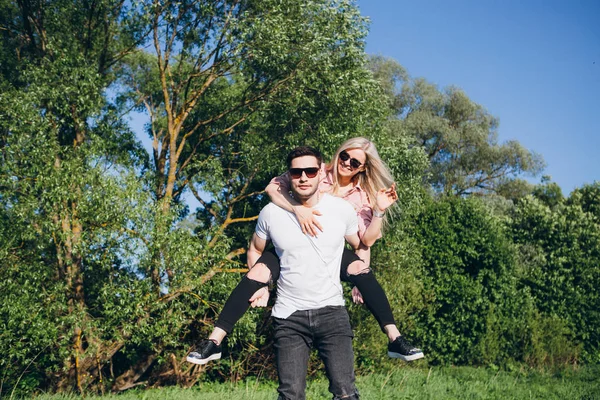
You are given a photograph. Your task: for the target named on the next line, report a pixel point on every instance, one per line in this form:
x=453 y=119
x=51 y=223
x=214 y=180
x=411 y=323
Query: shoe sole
x=203 y=361
x=405 y=358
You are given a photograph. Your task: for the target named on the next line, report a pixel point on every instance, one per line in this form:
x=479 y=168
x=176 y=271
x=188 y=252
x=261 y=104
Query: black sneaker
x=403 y=349
x=206 y=351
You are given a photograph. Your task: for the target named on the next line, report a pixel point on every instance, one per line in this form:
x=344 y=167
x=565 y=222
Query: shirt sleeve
x=262 y=225
x=351 y=220
x=283 y=181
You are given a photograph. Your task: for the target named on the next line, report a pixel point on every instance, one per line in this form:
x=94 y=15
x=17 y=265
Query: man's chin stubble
x=302 y=197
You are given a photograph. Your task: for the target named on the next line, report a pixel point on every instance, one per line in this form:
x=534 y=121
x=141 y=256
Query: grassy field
x=402 y=383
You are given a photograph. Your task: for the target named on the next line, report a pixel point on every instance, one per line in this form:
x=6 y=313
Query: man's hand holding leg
x=260 y=298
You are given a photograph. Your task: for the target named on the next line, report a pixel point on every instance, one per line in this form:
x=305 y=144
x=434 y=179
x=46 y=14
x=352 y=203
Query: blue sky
x=534 y=64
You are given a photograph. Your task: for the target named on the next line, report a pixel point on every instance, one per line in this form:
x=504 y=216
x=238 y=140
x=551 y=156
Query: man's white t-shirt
x=310 y=267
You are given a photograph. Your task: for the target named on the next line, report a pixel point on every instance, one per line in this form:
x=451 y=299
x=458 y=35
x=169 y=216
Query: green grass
x=401 y=383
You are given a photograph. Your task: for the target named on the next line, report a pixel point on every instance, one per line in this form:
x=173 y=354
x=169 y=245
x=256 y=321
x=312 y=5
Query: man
x=309 y=310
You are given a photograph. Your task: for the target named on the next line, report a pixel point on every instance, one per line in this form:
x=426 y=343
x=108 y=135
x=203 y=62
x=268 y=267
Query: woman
x=357 y=175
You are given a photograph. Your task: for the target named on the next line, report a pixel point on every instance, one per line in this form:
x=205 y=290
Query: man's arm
x=278 y=191
x=257 y=247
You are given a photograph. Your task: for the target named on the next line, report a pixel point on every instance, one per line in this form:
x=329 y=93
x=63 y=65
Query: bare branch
x=238 y=220
x=245 y=196
x=203 y=203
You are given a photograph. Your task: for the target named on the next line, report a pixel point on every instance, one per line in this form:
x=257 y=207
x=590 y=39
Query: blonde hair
x=375 y=174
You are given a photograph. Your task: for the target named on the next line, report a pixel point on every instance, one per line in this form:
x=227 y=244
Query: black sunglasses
x=354 y=163
x=296 y=173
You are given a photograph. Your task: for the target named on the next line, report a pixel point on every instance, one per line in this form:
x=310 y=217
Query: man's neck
x=308 y=202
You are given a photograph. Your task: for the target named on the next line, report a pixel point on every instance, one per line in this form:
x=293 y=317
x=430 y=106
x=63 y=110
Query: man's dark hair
x=302 y=151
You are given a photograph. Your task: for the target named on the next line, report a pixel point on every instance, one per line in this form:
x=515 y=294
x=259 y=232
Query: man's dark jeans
x=328 y=329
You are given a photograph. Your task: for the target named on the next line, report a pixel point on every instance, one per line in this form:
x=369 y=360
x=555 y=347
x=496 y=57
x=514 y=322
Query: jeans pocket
x=336 y=319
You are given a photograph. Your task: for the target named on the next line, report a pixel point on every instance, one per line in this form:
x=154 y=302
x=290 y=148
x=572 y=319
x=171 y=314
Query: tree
x=588 y=198
x=228 y=89
x=229 y=84
x=458 y=136
x=98 y=235
x=65 y=186
x=548 y=192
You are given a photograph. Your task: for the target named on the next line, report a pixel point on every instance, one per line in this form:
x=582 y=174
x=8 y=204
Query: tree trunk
x=71 y=230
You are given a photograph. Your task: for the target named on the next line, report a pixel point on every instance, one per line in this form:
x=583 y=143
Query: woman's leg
x=353 y=270
x=266 y=268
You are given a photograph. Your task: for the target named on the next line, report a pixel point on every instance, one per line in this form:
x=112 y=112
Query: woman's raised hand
x=386 y=197
x=307 y=220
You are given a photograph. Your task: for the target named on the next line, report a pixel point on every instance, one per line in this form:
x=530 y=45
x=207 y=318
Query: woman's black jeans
x=374 y=296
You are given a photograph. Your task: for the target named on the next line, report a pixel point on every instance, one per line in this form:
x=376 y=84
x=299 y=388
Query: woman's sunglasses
x=354 y=163
x=296 y=173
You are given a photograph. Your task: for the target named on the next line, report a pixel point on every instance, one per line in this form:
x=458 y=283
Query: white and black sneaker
x=206 y=351
x=403 y=349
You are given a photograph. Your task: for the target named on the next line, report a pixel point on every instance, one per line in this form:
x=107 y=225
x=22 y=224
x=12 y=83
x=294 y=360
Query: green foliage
x=550 y=343
x=548 y=192
x=588 y=198
x=560 y=248
x=108 y=279
x=473 y=311
x=482 y=281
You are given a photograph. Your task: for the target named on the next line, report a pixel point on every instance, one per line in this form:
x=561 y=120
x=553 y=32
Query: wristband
x=378 y=214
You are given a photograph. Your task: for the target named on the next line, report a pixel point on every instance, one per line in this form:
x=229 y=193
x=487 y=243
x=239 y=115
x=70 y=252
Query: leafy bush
x=473 y=313
x=560 y=249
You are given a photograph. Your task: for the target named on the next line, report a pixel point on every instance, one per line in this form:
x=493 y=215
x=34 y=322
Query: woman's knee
x=260 y=273
x=271 y=261
x=358 y=267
